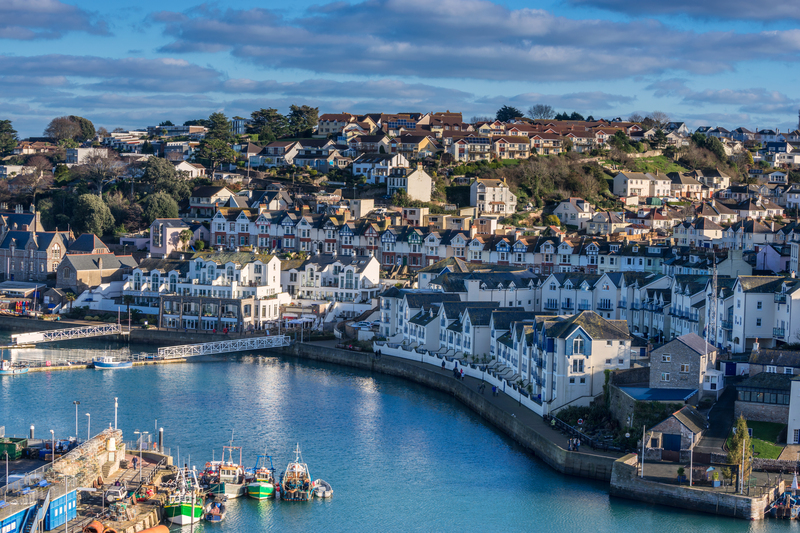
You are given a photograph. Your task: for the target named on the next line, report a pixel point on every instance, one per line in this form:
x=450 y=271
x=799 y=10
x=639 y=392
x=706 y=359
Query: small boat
x=8 y=369
x=263 y=485
x=296 y=482
x=185 y=505
x=322 y=489
x=226 y=477
x=214 y=510
x=108 y=363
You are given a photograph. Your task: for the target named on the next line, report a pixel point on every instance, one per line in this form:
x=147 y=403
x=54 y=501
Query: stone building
x=681 y=430
x=84 y=271
x=688 y=362
x=31 y=256
x=764 y=398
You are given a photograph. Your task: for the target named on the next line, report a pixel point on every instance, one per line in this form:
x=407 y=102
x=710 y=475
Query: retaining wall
x=625 y=483
x=585 y=465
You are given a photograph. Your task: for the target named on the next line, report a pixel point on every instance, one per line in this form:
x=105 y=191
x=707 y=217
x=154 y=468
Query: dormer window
x=578 y=346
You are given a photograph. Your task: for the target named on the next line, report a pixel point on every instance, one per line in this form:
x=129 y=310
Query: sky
x=723 y=63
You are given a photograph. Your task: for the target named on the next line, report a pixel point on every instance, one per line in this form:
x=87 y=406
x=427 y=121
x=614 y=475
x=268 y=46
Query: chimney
x=755 y=348
x=793 y=274
x=100 y=264
x=33 y=208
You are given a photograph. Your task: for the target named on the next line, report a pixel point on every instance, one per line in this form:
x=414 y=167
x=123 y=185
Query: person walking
x=494 y=390
x=442 y=364
x=462 y=374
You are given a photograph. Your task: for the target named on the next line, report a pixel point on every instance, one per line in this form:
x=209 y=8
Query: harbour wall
x=625 y=483
x=585 y=465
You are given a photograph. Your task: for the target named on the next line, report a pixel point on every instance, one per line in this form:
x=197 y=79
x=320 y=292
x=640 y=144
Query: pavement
x=666 y=472
x=720 y=420
x=506 y=402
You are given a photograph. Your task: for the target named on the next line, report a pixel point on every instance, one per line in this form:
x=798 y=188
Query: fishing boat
x=185 y=505
x=296 y=482
x=214 y=510
x=263 y=485
x=108 y=363
x=226 y=477
x=8 y=369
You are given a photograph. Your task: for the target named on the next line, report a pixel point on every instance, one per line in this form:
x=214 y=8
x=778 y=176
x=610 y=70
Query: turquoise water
x=399 y=456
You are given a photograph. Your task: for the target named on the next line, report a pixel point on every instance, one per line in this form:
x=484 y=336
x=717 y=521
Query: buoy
x=94 y=527
x=580 y=421
x=157 y=529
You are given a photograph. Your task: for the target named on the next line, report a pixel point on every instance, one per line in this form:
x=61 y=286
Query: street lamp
x=89 y=427
x=53 y=446
x=115 y=412
x=6 y=483
x=77 y=403
x=141 y=441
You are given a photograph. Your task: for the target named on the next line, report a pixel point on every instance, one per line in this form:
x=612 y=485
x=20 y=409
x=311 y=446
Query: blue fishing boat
x=8 y=369
x=109 y=363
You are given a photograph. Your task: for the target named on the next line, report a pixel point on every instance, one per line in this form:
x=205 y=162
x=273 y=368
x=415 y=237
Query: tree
x=159 y=205
x=562 y=116
x=32 y=183
x=185 y=236
x=91 y=215
x=576 y=116
x=40 y=163
x=635 y=117
x=86 y=127
x=219 y=127
x=541 y=111
x=158 y=169
x=197 y=122
x=216 y=151
x=126 y=213
x=8 y=137
x=100 y=168
x=70 y=297
x=268 y=124
x=740 y=452
x=660 y=139
x=659 y=119
x=166 y=123
x=62 y=129
x=161 y=176
x=302 y=120
x=102 y=132
x=506 y=113
x=715 y=146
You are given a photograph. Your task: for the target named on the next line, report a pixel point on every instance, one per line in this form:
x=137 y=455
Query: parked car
x=116 y=493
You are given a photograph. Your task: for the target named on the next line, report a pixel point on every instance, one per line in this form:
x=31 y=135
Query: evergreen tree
x=739 y=442
x=8 y=137
x=219 y=127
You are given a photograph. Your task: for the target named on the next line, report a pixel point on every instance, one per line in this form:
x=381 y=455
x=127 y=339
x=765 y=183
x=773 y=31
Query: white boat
x=8 y=369
x=322 y=489
x=225 y=477
x=296 y=482
x=108 y=363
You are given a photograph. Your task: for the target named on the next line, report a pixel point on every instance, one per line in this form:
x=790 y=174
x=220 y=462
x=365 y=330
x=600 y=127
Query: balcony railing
x=584 y=306
x=567 y=305
x=623 y=304
x=780 y=298
x=551 y=305
x=605 y=306
x=778 y=332
x=635 y=306
x=726 y=324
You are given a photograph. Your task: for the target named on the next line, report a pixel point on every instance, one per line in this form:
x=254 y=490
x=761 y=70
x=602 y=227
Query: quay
x=70 y=490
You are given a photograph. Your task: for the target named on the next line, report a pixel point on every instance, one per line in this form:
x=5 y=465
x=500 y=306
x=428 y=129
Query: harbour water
x=400 y=457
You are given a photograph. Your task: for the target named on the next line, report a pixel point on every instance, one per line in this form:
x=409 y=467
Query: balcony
x=584 y=306
x=635 y=306
x=780 y=298
x=726 y=324
x=623 y=304
x=605 y=306
x=567 y=305
x=551 y=305
x=778 y=332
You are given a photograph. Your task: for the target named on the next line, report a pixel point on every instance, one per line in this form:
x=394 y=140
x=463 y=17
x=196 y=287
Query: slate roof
x=82 y=262
x=691 y=418
x=87 y=243
x=767 y=380
x=593 y=324
x=240 y=258
x=503 y=318
x=170 y=222
x=164 y=265
x=417 y=300
x=761 y=283
x=695 y=342
x=767 y=356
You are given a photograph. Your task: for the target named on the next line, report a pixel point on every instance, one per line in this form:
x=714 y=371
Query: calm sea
x=400 y=457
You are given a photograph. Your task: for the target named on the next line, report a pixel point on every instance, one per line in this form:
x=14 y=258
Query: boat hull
x=112 y=366
x=261 y=490
x=231 y=490
x=14 y=372
x=181 y=513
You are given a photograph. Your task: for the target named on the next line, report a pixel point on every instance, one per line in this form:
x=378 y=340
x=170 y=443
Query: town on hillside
x=613 y=276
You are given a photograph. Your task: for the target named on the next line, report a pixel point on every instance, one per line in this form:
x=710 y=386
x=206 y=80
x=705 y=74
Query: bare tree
x=541 y=111
x=475 y=119
x=62 y=128
x=635 y=117
x=659 y=118
x=101 y=168
x=31 y=183
x=102 y=132
x=40 y=163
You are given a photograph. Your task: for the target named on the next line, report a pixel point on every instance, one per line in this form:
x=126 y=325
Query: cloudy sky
x=708 y=62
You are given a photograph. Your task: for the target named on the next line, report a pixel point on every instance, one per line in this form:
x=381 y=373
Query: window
x=609 y=343
x=772 y=369
x=684 y=368
x=666 y=358
x=787 y=370
x=572 y=380
x=577 y=365
x=577 y=346
x=758 y=322
x=608 y=361
x=758 y=305
x=665 y=376
x=583 y=380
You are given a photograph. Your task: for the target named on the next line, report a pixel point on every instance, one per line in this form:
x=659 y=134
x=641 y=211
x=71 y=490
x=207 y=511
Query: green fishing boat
x=263 y=485
x=185 y=505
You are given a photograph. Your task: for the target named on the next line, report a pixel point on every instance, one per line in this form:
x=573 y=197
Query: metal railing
x=567 y=305
x=551 y=305
x=605 y=306
x=67 y=334
x=227 y=346
x=584 y=307
x=726 y=324
x=780 y=298
x=778 y=332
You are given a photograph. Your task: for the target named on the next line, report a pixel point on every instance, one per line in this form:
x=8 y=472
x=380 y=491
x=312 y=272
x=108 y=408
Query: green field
x=765 y=438
x=658 y=163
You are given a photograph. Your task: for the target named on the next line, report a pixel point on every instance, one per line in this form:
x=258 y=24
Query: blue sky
x=709 y=62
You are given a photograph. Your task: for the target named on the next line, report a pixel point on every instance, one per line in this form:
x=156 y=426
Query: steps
x=109 y=468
